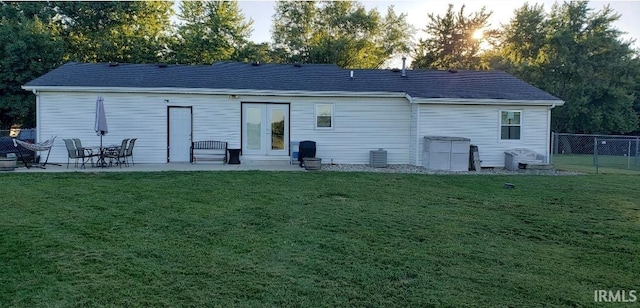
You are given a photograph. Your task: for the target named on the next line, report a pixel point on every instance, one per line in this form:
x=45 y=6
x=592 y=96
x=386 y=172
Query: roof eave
x=474 y=101
x=165 y=90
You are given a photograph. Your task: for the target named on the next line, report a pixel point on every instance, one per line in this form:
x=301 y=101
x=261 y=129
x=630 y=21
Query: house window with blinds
x=510 y=124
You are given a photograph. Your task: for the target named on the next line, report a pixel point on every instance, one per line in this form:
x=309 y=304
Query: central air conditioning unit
x=378 y=158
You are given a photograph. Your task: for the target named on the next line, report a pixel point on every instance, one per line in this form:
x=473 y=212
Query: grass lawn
x=325 y=239
x=607 y=164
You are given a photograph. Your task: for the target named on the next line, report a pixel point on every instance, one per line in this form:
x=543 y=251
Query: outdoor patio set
x=100 y=156
x=104 y=155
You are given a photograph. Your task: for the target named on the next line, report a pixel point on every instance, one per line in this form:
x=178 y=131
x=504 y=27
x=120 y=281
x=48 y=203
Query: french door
x=265 y=129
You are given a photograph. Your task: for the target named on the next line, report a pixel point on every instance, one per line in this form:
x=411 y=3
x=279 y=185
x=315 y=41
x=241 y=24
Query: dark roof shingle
x=288 y=77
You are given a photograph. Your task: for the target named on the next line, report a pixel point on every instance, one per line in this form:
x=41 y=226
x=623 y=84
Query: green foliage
x=450 y=43
x=17 y=10
x=258 y=52
x=606 y=164
x=338 y=32
x=115 y=31
x=212 y=31
x=32 y=51
x=578 y=56
x=635 y=65
x=324 y=239
x=293 y=26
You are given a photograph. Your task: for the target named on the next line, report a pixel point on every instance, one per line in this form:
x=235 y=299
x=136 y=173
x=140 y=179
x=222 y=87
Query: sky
x=262 y=13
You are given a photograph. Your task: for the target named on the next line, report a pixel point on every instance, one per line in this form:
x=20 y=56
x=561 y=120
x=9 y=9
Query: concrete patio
x=244 y=166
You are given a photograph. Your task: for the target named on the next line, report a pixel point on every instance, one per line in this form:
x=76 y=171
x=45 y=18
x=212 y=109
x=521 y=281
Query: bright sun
x=478 y=34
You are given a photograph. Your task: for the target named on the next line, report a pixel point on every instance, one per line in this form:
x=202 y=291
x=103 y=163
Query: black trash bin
x=306 y=149
x=234 y=156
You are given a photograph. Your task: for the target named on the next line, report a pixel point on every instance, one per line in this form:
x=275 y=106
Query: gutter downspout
x=417 y=115
x=409 y=98
x=38 y=126
x=549 y=149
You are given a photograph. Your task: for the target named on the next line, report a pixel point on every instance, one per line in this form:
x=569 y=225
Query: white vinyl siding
x=139 y=115
x=360 y=125
x=481 y=124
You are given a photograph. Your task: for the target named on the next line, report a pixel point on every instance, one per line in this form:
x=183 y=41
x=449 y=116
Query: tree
x=526 y=35
x=135 y=31
x=262 y=52
x=450 y=43
x=577 y=55
x=32 y=51
x=17 y=10
x=338 y=32
x=211 y=31
x=293 y=29
x=636 y=93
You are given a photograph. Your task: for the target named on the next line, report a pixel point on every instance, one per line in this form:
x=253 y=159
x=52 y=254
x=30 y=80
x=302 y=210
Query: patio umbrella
x=101 y=120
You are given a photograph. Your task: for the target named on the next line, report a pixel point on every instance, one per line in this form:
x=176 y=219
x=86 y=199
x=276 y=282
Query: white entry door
x=265 y=129
x=179 y=142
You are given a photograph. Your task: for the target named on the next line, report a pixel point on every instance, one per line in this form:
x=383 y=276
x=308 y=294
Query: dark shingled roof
x=459 y=84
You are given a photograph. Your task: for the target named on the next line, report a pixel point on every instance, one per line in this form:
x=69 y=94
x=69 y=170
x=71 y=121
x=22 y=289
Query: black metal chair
x=87 y=153
x=119 y=154
x=129 y=152
x=76 y=154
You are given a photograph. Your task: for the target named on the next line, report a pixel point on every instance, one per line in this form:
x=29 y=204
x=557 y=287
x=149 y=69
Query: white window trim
x=500 y=125
x=315 y=116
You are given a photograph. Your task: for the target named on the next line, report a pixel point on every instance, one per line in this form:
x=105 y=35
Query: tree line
x=571 y=51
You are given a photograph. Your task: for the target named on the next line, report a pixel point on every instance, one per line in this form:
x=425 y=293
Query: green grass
x=607 y=164
x=325 y=239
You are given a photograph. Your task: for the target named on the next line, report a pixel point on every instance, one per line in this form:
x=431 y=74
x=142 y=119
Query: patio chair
x=129 y=152
x=74 y=153
x=119 y=154
x=79 y=146
x=86 y=152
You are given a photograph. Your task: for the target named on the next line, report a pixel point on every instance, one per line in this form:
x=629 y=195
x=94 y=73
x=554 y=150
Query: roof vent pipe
x=351 y=74
x=404 y=69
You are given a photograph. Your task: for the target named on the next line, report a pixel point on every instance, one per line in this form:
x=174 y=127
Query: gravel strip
x=417 y=169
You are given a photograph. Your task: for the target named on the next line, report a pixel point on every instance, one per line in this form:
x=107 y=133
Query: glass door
x=265 y=129
x=253 y=129
x=278 y=134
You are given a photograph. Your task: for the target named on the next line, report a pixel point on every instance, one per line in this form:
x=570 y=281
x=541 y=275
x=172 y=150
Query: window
x=510 y=125
x=324 y=115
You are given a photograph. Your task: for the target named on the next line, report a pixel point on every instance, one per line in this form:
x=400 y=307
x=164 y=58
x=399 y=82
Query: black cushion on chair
x=306 y=149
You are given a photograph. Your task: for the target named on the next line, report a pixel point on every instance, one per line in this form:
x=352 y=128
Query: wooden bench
x=208 y=150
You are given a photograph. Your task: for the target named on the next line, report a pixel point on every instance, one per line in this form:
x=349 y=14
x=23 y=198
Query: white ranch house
x=263 y=108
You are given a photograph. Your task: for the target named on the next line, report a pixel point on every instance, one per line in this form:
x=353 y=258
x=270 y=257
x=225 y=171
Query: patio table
x=102 y=153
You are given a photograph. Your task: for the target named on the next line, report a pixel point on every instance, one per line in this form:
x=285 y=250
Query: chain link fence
x=596 y=153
